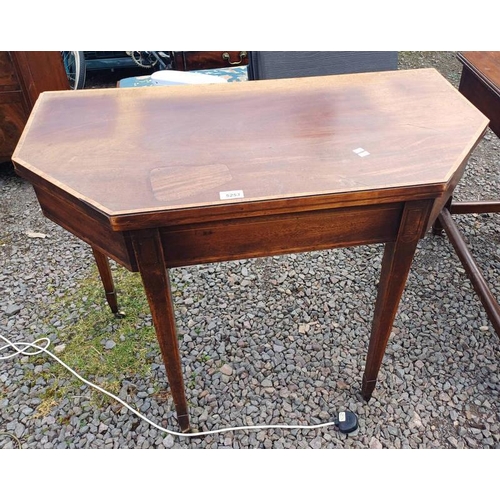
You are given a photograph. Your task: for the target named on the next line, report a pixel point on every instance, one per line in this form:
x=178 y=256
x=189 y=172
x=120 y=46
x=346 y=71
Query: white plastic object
x=174 y=77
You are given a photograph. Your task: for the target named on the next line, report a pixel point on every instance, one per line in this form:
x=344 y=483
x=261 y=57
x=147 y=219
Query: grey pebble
x=226 y=370
x=19 y=430
x=110 y=344
x=169 y=441
x=12 y=309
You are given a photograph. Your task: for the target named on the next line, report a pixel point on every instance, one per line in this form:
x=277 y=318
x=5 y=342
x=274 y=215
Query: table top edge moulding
x=288 y=168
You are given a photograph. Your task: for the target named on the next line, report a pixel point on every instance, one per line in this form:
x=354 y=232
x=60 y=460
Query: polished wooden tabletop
x=136 y=151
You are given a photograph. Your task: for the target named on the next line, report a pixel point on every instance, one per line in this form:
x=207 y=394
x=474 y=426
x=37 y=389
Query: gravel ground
x=274 y=340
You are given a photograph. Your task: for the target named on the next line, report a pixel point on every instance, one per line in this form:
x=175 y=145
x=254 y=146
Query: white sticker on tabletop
x=360 y=152
x=229 y=195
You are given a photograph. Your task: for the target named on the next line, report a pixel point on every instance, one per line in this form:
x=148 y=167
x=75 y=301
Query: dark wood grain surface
x=130 y=151
x=190 y=60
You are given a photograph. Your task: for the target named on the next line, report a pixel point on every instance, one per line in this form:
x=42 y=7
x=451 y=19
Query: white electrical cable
x=36 y=348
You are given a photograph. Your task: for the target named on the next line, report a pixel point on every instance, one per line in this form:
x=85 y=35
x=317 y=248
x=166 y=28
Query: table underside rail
x=480 y=285
x=280 y=234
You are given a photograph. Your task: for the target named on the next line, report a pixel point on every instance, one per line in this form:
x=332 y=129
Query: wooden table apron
x=137 y=173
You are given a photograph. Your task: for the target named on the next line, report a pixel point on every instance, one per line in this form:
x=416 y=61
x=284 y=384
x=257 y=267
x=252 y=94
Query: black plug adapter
x=346 y=422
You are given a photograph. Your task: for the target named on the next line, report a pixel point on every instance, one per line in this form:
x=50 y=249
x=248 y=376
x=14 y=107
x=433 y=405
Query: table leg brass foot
x=184 y=424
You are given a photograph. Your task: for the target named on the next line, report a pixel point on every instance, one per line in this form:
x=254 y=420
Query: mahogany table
x=480 y=84
x=159 y=177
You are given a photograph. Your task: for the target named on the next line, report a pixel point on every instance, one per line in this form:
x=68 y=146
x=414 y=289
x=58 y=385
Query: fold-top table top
x=486 y=66
x=131 y=152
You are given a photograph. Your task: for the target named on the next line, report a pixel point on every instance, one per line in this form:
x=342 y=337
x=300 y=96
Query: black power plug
x=346 y=422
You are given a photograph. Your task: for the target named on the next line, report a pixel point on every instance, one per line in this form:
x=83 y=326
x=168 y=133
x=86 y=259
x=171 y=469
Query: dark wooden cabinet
x=190 y=61
x=23 y=75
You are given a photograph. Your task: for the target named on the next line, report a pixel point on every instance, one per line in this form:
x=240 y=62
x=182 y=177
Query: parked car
x=78 y=63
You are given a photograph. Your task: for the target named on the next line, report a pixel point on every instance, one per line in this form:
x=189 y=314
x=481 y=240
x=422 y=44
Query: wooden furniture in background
x=190 y=61
x=480 y=83
x=23 y=75
x=159 y=177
